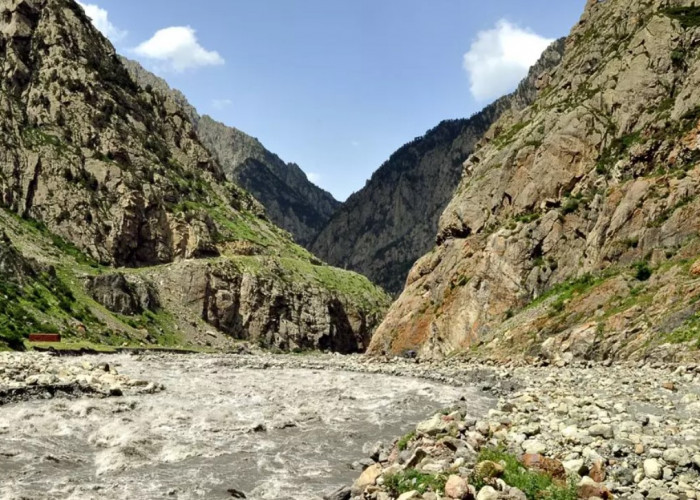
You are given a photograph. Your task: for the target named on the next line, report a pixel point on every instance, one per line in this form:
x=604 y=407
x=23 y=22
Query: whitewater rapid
x=272 y=434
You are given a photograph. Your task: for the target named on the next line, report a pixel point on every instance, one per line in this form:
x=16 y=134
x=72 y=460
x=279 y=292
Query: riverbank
x=630 y=430
x=584 y=431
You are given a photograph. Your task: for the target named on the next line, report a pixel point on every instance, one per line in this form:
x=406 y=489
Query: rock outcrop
x=291 y=201
x=574 y=227
x=382 y=230
x=97 y=173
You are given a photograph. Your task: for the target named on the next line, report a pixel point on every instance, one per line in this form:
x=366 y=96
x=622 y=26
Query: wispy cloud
x=100 y=19
x=500 y=57
x=221 y=103
x=178 y=49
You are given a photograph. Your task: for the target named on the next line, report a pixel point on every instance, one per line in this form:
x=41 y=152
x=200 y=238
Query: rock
x=549 y=466
x=457 y=488
x=597 y=472
x=653 y=468
x=696 y=461
x=122 y=296
x=418 y=455
x=487 y=493
x=588 y=488
x=602 y=430
x=409 y=495
x=343 y=493
x=488 y=469
x=534 y=447
x=236 y=493
x=367 y=478
x=677 y=456
x=695 y=268
x=573 y=466
x=435 y=425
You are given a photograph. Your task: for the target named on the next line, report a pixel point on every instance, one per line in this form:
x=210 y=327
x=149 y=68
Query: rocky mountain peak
x=98 y=172
x=574 y=211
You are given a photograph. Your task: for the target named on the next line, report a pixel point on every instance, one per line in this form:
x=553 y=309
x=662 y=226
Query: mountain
x=292 y=201
x=125 y=226
x=574 y=230
x=386 y=226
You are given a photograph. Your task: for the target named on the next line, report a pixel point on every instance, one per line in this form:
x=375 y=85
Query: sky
x=336 y=86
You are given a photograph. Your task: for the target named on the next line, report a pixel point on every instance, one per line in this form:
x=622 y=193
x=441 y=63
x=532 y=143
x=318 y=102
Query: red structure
x=44 y=337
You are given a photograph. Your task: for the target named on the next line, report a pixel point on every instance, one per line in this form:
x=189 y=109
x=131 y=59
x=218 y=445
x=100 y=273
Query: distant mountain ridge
x=387 y=225
x=290 y=199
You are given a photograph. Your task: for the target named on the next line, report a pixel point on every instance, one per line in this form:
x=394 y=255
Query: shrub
x=411 y=479
x=642 y=271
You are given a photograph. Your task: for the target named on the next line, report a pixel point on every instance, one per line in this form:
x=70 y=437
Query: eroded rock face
x=382 y=230
x=85 y=151
x=123 y=296
x=270 y=308
x=597 y=175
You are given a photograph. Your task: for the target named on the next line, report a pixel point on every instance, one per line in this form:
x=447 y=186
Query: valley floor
x=297 y=426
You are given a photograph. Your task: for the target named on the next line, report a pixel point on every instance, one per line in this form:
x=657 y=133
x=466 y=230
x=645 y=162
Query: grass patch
x=69 y=346
x=160 y=325
x=535 y=485
x=403 y=442
x=616 y=151
x=569 y=289
x=293 y=270
x=688 y=332
x=411 y=479
x=508 y=137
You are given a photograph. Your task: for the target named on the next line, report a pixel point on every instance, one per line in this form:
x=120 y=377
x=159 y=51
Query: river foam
x=273 y=434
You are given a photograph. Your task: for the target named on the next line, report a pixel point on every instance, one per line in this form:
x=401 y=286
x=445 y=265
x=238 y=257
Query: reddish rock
x=549 y=466
x=594 y=490
x=457 y=488
x=597 y=472
x=695 y=269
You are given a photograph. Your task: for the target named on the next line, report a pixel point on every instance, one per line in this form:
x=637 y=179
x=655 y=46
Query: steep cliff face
x=102 y=173
x=291 y=201
x=575 y=225
x=386 y=226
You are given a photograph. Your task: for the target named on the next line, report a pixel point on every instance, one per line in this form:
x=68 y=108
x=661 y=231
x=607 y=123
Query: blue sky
x=335 y=86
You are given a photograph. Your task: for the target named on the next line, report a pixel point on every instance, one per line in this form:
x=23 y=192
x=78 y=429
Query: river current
x=272 y=434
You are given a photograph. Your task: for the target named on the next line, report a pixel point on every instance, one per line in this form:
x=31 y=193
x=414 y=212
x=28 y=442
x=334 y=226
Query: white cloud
x=221 y=103
x=179 y=49
x=100 y=19
x=500 y=57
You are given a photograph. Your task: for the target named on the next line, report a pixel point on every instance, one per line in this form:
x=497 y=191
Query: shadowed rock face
x=599 y=175
x=103 y=171
x=290 y=199
x=386 y=226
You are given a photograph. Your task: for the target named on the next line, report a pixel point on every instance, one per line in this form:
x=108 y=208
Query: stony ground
x=577 y=430
x=26 y=376
x=586 y=431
